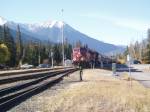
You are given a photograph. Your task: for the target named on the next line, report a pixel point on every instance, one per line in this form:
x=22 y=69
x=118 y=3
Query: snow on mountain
x=51 y=30
x=2 y=21
x=50 y=24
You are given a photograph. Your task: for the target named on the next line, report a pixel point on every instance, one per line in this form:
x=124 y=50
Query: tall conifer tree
x=1 y=34
x=146 y=57
x=9 y=42
x=19 y=47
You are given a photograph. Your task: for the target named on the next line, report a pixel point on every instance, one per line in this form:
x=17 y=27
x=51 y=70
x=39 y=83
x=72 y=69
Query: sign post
x=129 y=60
x=114 y=68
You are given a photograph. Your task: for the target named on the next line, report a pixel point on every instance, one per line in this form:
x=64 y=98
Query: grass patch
x=125 y=76
x=101 y=94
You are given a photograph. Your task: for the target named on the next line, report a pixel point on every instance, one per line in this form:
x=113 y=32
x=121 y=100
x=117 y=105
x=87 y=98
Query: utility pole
x=63 y=55
x=39 y=57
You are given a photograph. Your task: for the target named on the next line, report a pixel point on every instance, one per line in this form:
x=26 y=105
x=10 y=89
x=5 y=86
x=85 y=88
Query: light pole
x=52 y=59
x=62 y=34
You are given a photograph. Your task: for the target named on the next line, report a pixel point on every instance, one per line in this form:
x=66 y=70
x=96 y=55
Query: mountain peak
x=2 y=21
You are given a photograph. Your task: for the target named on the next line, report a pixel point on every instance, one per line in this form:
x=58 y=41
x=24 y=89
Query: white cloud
x=133 y=24
x=130 y=23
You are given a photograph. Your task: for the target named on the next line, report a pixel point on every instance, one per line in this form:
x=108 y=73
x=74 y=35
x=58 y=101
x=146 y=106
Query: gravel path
x=143 y=78
x=37 y=103
x=142 y=74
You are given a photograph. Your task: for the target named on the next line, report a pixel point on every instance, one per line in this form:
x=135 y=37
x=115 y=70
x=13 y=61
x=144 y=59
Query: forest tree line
x=14 y=51
x=139 y=50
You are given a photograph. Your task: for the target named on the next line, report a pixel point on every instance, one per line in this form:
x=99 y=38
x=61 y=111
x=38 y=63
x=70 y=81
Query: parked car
x=26 y=66
x=43 y=65
x=136 y=62
x=68 y=62
x=2 y=66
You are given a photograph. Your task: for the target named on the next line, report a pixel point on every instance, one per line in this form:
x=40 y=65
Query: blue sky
x=114 y=21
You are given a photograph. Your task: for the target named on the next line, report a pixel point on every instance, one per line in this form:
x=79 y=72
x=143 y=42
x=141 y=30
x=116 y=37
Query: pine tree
x=78 y=44
x=27 y=53
x=68 y=51
x=19 y=47
x=1 y=34
x=147 y=54
x=57 y=53
x=9 y=42
x=147 y=50
x=126 y=52
x=137 y=50
x=143 y=50
x=45 y=53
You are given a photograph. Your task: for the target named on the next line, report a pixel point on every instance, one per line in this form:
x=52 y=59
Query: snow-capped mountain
x=51 y=30
x=2 y=21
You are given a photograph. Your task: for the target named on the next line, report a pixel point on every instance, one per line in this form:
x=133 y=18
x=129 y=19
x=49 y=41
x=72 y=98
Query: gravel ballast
x=38 y=102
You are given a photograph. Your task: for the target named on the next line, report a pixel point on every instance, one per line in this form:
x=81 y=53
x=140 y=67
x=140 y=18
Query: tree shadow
x=125 y=68
x=120 y=68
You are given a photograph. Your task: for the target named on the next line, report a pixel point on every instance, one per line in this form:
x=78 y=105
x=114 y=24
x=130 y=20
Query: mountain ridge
x=52 y=30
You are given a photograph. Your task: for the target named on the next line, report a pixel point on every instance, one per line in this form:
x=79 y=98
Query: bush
x=4 y=53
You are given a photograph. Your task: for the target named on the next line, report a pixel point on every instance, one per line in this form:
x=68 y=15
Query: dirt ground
x=98 y=92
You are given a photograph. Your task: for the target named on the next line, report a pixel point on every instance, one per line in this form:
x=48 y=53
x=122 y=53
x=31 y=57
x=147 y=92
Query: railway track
x=16 y=72
x=12 y=96
x=27 y=75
